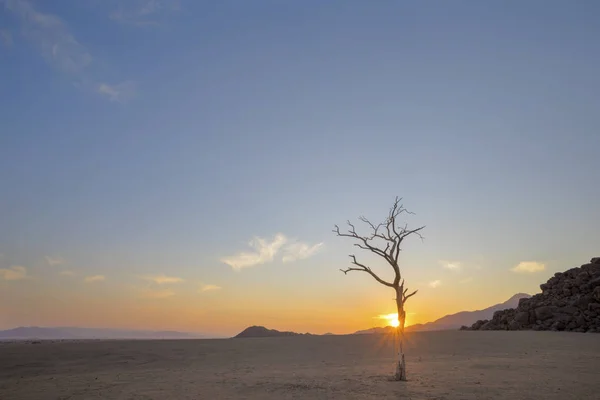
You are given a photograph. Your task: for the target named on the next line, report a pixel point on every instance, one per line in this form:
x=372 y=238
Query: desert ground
x=441 y=365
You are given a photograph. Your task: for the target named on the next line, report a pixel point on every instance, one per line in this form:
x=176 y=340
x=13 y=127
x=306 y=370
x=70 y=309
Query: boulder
x=571 y=310
x=596 y=294
x=545 y=312
x=594 y=307
x=593 y=283
x=514 y=325
x=522 y=318
x=595 y=260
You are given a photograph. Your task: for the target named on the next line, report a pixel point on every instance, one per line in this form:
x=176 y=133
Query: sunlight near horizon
x=392 y=319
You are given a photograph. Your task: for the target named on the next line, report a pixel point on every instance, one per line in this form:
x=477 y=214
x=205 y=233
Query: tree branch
x=410 y=295
x=364 y=268
x=392 y=235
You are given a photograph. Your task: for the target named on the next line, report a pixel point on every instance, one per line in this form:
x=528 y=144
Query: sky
x=180 y=165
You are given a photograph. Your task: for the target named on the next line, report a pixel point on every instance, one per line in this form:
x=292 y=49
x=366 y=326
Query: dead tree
x=385 y=240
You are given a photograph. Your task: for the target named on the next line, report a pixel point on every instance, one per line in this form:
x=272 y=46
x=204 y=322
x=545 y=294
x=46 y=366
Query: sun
x=392 y=319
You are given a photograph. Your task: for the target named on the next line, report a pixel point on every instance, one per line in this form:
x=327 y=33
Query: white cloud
x=95 y=278
x=143 y=12
x=265 y=251
x=162 y=279
x=13 y=273
x=53 y=261
x=120 y=93
x=451 y=265
x=299 y=251
x=52 y=37
x=67 y=273
x=156 y=294
x=209 y=288
x=529 y=267
x=6 y=37
x=435 y=283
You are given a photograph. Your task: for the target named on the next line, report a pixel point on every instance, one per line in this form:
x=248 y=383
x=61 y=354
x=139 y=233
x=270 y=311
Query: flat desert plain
x=441 y=365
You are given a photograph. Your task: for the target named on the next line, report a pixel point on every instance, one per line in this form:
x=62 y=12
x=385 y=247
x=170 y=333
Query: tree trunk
x=400 y=374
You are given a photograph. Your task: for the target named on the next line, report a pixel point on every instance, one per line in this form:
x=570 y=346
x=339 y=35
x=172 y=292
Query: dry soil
x=441 y=365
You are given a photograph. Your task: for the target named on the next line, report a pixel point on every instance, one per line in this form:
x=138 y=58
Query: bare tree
x=385 y=240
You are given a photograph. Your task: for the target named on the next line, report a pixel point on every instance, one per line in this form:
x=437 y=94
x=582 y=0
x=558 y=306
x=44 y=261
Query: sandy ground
x=442 y=365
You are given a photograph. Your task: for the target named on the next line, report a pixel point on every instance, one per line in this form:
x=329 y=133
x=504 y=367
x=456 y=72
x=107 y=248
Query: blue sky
x=147 y=139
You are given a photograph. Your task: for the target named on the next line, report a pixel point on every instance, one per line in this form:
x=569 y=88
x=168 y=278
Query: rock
x=524 y=303
x=594 y=283
x=582 y=302
x=545 y=312
x=582 y=278
x=569 y=301
x=488 y=326
x=477 y=325
x=558 y=326
x=522 y=318
x=596 y=294
x=514 y=325
x=564 y=318
x=571 y=310
x=594 y=307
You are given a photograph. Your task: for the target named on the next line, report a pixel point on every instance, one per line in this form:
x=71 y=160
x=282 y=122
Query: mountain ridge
x=456 y=320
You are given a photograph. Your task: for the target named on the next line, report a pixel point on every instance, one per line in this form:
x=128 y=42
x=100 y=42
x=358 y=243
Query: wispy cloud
x=54 y=261
x=6 y=37
x=528 y=267
x=120 y=93
x=52 y=37
x=162 y=279
x=265 y=251
x=299 y=251
x=143 y=13
x=156 y=294
x=434 y=284
x=209 y=288
x=95 y=278
x=13 y=273
x=451 y=265
x=61 y=50
x=67 y=273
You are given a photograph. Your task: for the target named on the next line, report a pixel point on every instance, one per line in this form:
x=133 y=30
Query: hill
x=261 y=331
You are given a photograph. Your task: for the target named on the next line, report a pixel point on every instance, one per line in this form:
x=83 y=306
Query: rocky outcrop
x=570 y=301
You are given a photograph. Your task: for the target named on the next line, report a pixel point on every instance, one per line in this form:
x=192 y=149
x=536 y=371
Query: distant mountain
x=455 y=321
x=43 y=333
x=377 y=330
x=261 y=331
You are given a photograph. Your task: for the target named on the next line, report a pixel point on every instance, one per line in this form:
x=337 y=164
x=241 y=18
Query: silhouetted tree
x=385 y=240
